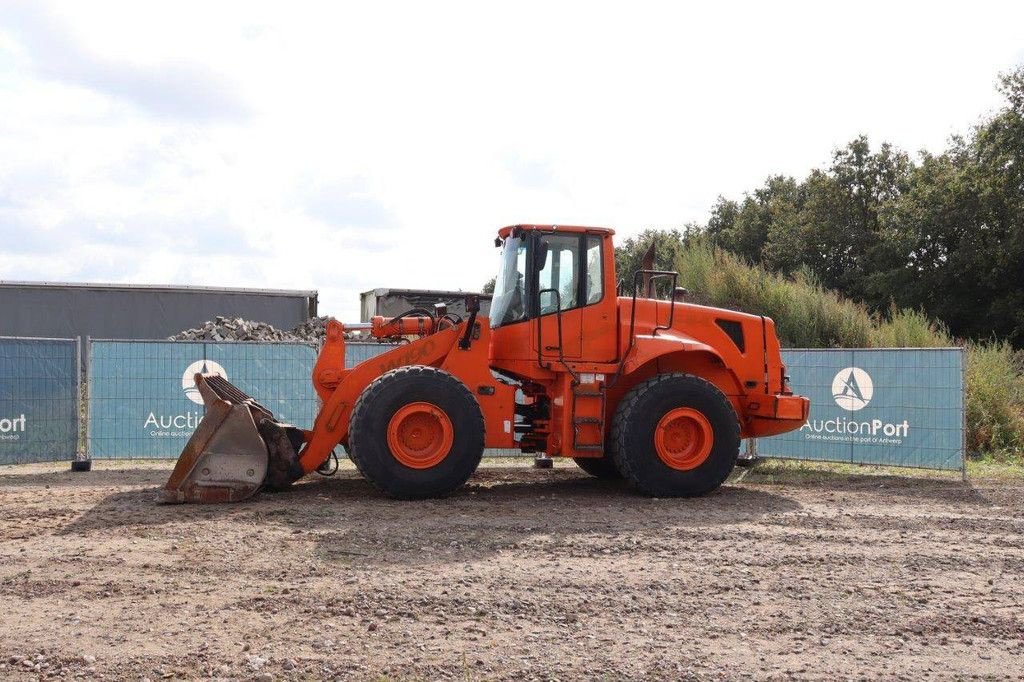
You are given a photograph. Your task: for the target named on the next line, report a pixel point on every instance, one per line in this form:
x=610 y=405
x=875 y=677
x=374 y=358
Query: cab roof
x=505 y=231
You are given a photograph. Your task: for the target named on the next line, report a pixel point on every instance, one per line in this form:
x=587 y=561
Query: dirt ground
x=525 y=574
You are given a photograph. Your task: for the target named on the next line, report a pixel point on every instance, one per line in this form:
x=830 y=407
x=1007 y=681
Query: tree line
x=940 y=233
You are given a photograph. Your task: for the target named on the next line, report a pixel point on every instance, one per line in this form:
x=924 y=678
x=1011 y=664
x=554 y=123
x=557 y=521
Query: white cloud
x=347 y=146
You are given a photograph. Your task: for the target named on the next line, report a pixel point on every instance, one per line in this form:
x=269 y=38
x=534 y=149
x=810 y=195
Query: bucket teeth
x=215 y=387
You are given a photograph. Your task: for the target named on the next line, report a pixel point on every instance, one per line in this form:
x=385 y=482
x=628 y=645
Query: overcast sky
x=348 y=146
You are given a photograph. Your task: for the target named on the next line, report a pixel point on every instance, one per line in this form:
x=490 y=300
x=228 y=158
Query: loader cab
x=554 y=295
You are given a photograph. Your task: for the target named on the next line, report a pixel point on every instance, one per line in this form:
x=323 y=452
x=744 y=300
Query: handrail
x=558 y=321
x=654 y=274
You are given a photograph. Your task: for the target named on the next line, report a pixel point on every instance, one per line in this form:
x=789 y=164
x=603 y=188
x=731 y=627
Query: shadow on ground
x=905 y=487
x=497 y=508
x=104 y=478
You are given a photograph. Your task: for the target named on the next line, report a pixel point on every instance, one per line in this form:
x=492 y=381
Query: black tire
x=633 y=427
x=367 y=435
x=598 y=467
x=81 y=465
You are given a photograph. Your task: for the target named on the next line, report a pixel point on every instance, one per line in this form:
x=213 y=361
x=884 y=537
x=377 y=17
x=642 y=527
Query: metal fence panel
x=39 y=399
x=897 y=407
x=358 y=351
x=277 y=375
x=143 y=401
x=143 y=404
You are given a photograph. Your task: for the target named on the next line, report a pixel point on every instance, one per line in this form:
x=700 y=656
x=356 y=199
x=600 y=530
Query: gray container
x=118 y=311
x=391 y=302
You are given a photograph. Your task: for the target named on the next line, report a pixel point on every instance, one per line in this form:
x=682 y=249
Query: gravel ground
x=525 y=574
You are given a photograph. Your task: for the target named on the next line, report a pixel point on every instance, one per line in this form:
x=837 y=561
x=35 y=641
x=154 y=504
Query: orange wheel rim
x=683 y=439
x=420 y=435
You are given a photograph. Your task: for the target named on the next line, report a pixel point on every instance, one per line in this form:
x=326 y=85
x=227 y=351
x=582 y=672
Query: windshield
x=509 y=302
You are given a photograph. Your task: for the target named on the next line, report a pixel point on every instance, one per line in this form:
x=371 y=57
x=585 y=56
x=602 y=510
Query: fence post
x=82 y=462
x=79 y=439
x=88 y=397
x=963 y=413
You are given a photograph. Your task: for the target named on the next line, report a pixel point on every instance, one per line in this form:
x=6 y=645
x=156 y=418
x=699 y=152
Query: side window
x=595 y=270
x=559 y=272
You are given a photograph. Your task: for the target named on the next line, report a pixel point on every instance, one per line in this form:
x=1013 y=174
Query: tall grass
x=809 y=316
x=995 y=400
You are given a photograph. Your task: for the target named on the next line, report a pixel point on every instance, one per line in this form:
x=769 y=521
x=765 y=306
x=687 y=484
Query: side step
x=588 y=407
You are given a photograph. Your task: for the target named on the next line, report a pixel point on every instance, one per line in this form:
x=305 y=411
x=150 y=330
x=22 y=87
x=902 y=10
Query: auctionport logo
x=12 y=428
x=182 y=425
x=852 y=388
x=188 y=379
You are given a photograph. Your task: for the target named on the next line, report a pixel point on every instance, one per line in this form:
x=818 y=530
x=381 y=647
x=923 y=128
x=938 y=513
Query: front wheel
x=675 y=435
x=416 y=432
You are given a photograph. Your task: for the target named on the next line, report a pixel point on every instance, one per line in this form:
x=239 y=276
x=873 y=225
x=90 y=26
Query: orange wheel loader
x=658 y=392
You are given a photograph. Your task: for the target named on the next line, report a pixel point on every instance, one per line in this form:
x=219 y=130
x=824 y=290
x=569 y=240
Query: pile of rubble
x=236 y=329
x=316 y=328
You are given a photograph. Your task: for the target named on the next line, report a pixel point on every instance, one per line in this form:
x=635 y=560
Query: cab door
x=558 y=286
x=598 y=311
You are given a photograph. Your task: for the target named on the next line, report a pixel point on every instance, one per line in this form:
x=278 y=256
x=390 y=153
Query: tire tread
x=382 y=384
x=620 y=431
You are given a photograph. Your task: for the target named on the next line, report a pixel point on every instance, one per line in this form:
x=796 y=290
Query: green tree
x=954 y=241
x=841 y=222
x=944 y=234
x=745 y=227
x=629 y=256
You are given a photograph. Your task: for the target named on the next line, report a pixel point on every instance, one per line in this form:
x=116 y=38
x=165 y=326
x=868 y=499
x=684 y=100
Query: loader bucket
x=237 y=448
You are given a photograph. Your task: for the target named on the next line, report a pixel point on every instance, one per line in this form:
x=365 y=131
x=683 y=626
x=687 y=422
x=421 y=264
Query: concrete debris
x=311 y=332
x=316 y=328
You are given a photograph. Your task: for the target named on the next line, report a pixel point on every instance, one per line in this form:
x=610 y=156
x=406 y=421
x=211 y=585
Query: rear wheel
x=416 y=432
x=675 y=435
x=598 y=467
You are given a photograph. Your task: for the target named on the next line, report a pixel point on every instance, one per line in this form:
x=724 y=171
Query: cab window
x=595 y=270
x=508 y=303
x=544 y=273
x=558 y=259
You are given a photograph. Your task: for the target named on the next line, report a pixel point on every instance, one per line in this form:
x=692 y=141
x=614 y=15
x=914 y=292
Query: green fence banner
x=39 y=399
x=897 y=407
x=143 y=401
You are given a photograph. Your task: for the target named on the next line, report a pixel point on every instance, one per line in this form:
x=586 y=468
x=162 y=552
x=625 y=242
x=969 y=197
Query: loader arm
x=240 y=447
